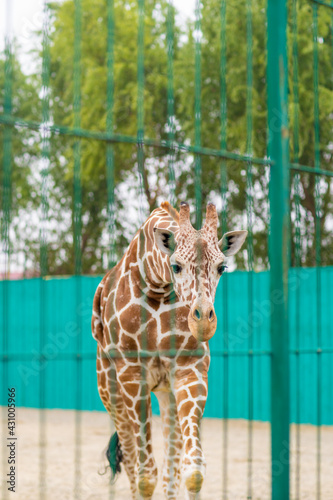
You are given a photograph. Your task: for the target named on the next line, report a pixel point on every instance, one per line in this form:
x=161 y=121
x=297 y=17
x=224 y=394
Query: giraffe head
x=197 y=261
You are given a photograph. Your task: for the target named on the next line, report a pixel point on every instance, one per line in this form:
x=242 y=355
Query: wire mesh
x=299 y=190
x=231 y=158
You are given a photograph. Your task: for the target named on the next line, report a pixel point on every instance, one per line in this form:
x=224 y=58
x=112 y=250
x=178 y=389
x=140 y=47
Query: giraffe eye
x=221 y=268
x=176 y=268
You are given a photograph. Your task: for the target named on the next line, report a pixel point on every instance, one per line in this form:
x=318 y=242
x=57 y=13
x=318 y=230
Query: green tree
x=246 y=123
x=25 y=193
x=306 y=136
x=235 y=95
x=94 y=111
x=237 y=138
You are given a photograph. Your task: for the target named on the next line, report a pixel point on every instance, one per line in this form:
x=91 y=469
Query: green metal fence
x=293 y=183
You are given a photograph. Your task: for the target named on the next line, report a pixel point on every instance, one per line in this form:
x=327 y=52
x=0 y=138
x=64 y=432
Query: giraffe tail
x=114 y=455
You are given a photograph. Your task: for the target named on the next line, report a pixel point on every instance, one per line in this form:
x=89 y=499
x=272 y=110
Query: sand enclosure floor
x=60 y=459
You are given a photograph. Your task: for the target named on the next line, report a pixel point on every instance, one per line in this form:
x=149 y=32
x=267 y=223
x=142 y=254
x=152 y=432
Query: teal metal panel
x=59 y=369
x=238 y=340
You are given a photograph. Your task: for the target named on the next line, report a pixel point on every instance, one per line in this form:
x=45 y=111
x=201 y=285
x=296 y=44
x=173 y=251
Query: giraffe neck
x=152 y=269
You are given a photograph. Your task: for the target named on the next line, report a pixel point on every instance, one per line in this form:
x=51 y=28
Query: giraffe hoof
x=146 y=487
x=194 y=482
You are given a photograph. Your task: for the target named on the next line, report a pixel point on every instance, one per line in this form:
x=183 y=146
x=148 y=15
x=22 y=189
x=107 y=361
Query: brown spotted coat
x=158 y=298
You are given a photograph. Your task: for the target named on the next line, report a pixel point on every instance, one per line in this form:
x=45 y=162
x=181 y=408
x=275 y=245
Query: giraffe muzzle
x=202 y=321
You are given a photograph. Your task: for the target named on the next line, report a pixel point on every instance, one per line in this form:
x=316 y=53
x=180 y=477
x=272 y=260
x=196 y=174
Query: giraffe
x=153 y=315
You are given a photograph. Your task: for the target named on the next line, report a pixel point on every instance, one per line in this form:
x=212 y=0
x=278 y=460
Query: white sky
x=21 y=18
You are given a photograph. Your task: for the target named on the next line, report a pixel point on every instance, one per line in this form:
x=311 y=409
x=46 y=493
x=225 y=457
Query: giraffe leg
x=136 y=395
x=191 y=395
x=115 y=406
x=173 y=444
x=128 y=447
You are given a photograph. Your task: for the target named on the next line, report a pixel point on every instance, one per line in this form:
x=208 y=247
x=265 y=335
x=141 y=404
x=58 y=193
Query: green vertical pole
x=171 y=101
x=249 y=210
x=44 y=265
x=110 y=174
x=5 y=205
x=110 y=182
x=297 y=260
x=172 y=198
x=77 y=195
x=140 y=106
x=224 y=226
x=141 y=166
x=318 y=218
x=197 y=116
x=77 y=236
x=278 y=148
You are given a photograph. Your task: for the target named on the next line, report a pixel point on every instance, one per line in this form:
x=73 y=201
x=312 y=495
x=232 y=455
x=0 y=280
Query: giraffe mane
x=171 y=211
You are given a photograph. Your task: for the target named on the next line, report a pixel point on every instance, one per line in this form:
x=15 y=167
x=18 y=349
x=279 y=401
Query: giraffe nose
x=203 y=313
x=202 y=320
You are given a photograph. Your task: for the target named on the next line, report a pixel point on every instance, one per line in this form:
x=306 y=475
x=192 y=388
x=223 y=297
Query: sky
x=22 y=17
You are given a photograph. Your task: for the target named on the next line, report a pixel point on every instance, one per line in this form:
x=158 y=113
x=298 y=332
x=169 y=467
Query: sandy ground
x=59 y=469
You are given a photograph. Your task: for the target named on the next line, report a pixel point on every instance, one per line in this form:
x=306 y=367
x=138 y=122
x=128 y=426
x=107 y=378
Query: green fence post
x=278 y=148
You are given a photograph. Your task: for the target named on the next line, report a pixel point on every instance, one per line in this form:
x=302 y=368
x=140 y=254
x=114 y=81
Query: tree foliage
x=246 y=125
x=25 y=194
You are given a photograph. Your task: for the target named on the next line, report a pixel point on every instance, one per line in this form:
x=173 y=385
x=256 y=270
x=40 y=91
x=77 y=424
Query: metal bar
x=104 y=136
x=332 y=45
x=22 y=356
x=77 y=230
x=45 y=140
x=140 y=107
x=7 y=169
x=317 y=238
x=278 y=146
x=312 y=170
x=27 y=356
x=224 y=189
x=249 y=211
x=140 y=159
x=110 y=179
x=324 y=4
x=171 y=102
x=197 y=352
x=167 y=352
x=77 y=195
x=297 y=242
x=321 y=350
x=197 y=115
x=109 y=128
x=172 y=197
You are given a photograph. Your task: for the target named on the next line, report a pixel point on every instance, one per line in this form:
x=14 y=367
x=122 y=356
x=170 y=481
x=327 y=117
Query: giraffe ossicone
x=153 y=315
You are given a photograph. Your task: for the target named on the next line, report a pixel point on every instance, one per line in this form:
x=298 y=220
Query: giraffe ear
x=165 y=240
x=232 y=242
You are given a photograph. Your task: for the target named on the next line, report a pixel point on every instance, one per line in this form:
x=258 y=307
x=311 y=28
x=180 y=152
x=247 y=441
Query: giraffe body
x=150 y=312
